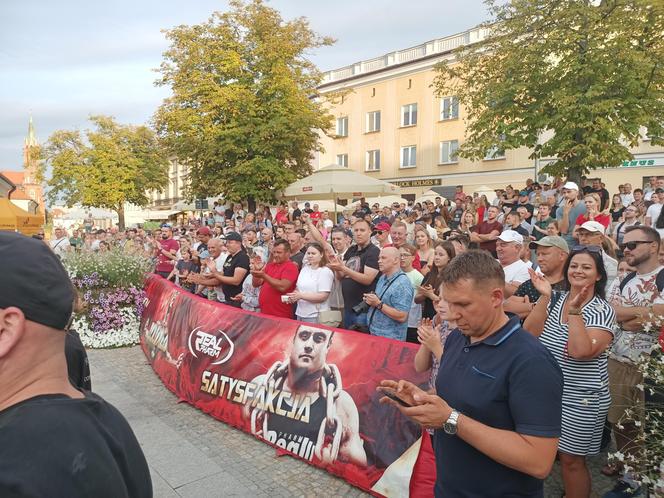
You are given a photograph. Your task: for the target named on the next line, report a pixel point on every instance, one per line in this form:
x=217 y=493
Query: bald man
x=390 y=304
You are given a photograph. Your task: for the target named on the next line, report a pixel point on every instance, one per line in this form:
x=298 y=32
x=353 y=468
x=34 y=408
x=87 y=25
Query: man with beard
x=166 y=252
x=306 y=377
x=486 y=233
x=641 y=301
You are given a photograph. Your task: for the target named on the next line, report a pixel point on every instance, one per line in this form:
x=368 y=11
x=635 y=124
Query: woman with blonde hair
x=424 y=245
x=468 y=220
x=440 y=225
x=593 y=213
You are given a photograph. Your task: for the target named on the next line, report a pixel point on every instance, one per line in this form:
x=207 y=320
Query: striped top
x=585 y=375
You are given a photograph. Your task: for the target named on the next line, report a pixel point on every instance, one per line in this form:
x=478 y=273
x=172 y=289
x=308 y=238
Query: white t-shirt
x=516 y=272
x=653 y=212
x=415 y=313
x=328 y=224
x=313 y=280
x=60 y=246
x=639 y=291
x=626 y=199
x=219 y=265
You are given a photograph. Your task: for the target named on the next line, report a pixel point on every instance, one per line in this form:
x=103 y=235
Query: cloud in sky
x=63 y=61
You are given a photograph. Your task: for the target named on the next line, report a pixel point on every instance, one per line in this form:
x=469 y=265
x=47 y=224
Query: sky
x=64 y=61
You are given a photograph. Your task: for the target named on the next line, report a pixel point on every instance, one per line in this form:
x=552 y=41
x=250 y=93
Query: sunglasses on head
x=590 y=249
x=633 y=245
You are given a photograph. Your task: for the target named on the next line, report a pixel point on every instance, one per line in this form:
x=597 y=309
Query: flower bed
x=110 y=288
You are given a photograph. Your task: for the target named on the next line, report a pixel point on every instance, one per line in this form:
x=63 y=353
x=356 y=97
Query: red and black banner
x=307 y=389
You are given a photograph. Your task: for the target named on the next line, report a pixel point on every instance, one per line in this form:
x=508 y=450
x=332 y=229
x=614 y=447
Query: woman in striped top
x=577 y=328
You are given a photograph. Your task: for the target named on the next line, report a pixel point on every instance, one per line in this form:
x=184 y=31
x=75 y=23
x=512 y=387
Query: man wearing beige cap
x=508 y=248
x=569 y=210
x=591 y=233
x=552 y=252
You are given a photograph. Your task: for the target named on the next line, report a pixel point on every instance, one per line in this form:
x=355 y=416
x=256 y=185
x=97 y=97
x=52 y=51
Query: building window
x=373 y=160
x=408 y=156
x=373 y=121
x=449 y=108
x=342 y=126
x=448 y=151
x=342 y=160
x=496 y=151
x=409 y=115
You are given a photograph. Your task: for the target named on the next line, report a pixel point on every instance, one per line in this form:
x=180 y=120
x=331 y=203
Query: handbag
x=331 y=318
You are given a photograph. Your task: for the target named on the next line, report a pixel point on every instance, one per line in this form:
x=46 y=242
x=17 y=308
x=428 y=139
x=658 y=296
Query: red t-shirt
x=485 y=228
x=269 y=298
x=163 y=262
x=315 y=215
x=281 y=217
x=604 y=219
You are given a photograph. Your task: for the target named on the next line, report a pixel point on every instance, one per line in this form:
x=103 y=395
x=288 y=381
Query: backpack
x=659 y=280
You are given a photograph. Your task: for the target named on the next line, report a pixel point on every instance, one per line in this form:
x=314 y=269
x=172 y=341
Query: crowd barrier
x=306 y=389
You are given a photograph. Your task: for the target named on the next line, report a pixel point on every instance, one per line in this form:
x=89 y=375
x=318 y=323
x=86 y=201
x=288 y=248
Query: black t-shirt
x=528 y=289
x=356 y=259
x=78 y=365
x=56 y=446
x=456 y=218
x=297 y=258
x=237 y=260
x=297 y=213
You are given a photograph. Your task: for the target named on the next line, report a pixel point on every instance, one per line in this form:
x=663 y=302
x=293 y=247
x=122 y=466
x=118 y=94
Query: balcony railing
x=433 y=47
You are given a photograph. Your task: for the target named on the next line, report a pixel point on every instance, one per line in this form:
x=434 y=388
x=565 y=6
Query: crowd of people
x=582 y=271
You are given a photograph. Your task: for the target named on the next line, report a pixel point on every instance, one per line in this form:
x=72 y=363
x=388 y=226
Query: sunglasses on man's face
x=633 y=245
x=377 y=232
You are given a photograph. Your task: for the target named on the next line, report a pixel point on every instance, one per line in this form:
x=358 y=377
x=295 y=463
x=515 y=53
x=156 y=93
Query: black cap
x=34 y=280
x=233 y=236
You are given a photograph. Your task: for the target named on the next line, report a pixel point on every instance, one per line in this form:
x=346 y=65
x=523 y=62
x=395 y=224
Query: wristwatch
x=574 y=311
x=379 y=306
x=450 y=427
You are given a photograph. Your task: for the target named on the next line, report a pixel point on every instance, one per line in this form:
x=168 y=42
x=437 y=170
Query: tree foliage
x=573 y=79
x=243 y=112
x=107 y=167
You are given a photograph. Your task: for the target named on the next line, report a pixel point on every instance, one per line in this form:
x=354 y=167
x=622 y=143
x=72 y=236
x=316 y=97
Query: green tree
x=244 y=111
x=574 y=79
x=110 y=166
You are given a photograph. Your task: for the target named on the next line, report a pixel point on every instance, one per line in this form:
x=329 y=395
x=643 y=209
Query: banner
x=307 y=389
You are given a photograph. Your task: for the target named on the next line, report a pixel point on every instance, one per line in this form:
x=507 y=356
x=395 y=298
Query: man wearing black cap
x=235 y=270
x=54 y=439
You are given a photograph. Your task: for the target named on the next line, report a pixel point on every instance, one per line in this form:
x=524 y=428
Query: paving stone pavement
x=190 y=454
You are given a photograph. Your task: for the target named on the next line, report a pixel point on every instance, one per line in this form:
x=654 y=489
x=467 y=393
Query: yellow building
x=389 y=124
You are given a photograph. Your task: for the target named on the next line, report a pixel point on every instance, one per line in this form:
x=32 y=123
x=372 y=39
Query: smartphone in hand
x=392 y=395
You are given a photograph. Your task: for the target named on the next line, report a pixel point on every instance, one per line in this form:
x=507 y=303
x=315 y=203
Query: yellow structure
x=15 y=219
x=390 y=125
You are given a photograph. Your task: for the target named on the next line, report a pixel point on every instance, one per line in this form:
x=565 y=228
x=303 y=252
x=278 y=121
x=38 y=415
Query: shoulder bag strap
x=382 y=295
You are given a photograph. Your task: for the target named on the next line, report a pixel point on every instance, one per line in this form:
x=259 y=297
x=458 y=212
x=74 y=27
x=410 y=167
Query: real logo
x=216 y=345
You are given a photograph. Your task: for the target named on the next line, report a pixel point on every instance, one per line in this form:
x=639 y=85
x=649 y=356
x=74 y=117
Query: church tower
x=30 y=155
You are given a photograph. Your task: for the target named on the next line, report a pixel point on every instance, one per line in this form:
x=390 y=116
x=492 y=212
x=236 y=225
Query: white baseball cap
x=511 y=236
x=593 y=226
x=571 y=186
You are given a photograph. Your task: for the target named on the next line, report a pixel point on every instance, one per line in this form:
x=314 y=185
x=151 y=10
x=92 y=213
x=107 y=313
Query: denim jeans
x=351 y=318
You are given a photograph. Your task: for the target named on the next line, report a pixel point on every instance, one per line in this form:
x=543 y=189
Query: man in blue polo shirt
x=497 y=410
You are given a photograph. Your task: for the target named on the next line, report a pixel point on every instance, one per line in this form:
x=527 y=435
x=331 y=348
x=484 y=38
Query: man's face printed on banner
x=310 y=347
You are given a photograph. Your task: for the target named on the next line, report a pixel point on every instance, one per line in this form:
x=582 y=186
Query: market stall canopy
x=338 y=182
x=15 y=219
